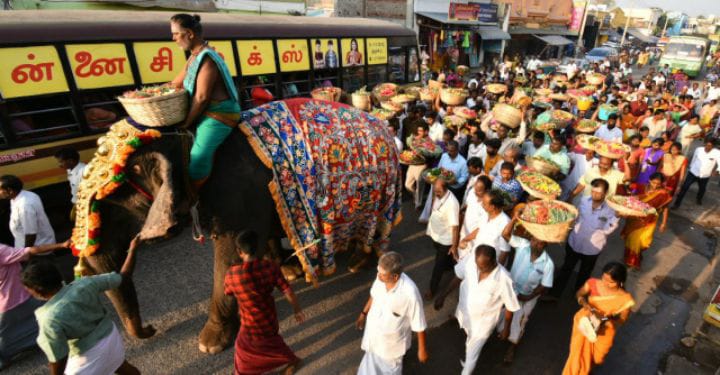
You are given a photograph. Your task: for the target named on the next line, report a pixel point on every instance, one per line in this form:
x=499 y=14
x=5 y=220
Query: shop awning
x=493 y=33
x=642 y=37
x=443 y=18
x=554 y=40
x=551 y=30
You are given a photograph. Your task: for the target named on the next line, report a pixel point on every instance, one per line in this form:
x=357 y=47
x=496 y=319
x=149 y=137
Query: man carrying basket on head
x=214 y=99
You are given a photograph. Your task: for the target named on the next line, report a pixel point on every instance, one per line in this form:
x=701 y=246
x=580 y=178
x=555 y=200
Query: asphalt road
x=174 y=282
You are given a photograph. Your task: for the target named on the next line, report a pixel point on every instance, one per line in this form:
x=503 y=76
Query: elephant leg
x=124 y=298
x=222 y=324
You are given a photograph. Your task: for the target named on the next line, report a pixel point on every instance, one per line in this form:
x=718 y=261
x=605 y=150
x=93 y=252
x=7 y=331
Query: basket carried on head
x=453 y=96
x=385 y=91
x=361 y=101
x=555 y=233
x=543 y=166
x=507 y=115
x=595 y=79
x=162 y=110
x=331 y=94
x=496 y=88
x=630 y=206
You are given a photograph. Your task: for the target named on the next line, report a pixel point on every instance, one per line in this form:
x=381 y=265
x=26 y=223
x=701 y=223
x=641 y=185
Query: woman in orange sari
x=638 y=231
x=606 y=300
x=674 y=166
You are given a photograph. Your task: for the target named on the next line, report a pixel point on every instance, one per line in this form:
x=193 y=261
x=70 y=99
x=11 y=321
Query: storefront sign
x=578 y=13
x=294 y=55
x=488 y=13
x=325 y=53
x=463 y=12
x=377 y=51
x=256 y=57
x=224 y=49
x=29 y=71
x=99 y=65
x=158 y=61
x=470 y=11
x=353 y=50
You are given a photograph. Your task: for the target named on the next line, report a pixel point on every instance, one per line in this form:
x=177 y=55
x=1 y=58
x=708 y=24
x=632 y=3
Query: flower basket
x=586 y=126
x=507 y=115
x=587 y=141
x=331 y=94
x=543 y=92
x=361 y=101
x=539 y=185
x=543 y=166
x=548 y=220
x=496 y=88
x=561 y=118
x=382 y=114
x=385 y=91
x=402 y=99
x=465 y=112
x=630 y=206
x=606 y=110
x=390 y=106
x=157 y=111
x=428 y=94
x=584 y=103
x=452 y=96
x=612 y=150
x=411 y=157
x=595 y=79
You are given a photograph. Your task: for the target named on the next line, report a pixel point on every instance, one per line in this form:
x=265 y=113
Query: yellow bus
x=62 y=71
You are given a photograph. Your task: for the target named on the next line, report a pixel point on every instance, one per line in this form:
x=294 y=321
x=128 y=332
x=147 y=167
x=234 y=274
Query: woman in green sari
x=214 y=104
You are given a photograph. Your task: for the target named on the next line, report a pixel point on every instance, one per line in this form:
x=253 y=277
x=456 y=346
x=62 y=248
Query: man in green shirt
x=75 y=330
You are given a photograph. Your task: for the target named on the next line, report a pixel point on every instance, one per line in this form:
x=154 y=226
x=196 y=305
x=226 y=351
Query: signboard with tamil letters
x=158 y=61
x=225 y=50
x=377 y=51
x=27 y=71
x=294 y=56
x=256 y=57
x=99 y=65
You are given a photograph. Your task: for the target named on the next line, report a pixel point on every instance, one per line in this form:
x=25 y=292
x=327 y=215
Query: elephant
x=156 y=205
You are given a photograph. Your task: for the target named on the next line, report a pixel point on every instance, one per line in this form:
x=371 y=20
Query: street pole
x=505 y=26
x=580 y=42
x=627 y=24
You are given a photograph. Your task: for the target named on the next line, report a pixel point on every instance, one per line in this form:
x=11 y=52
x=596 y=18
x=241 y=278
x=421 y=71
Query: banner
x=225 y=50
x=488 y=13
x=27 y=71
x=325 y=53
x=578 y=14
x=353 y=50
x=99 y=65
x=377 y=51
x=158 y=61
x=294 y=56
x=256 y=57
x=481 y=12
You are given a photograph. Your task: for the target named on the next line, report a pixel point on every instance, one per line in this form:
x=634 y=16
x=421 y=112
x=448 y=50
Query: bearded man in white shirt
x=443 y=228
x=392 y=312
x=485 y=289
x=28 y=222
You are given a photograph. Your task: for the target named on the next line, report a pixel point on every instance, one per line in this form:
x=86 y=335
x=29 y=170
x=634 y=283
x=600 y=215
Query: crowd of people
x=500 y=268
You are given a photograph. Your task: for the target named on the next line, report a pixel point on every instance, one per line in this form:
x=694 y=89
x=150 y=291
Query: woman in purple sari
x=652 y=158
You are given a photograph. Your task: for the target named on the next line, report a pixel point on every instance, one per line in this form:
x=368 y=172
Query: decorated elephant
x=321 y=174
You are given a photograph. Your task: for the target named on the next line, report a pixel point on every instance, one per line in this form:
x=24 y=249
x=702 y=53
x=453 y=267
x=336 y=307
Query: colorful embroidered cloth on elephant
x=336 y=174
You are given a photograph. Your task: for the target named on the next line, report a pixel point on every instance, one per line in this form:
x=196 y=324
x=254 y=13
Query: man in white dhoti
x=393 y=310
x=485 y=287
x=76 y=332
x=532 y=274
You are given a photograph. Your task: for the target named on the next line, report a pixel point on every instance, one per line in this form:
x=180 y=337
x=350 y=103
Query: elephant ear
x=161 y=215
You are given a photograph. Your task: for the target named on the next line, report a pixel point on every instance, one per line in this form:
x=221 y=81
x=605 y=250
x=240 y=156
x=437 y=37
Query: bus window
x=3 y=139
x=35 y=118
x=295 y=84
x=397 y=58
x=376 y=74
x=101 y=108
x=414 y=65
x=353 y=78
x=258 y=90
x=684 y=50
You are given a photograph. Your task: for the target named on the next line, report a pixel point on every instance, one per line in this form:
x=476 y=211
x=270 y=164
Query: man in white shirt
x=393 y=132
x=532 y=274
x=704 y=164
x=69 y=160
x=595 y=222
x=489 y=228
x=392 y=312
x=610 y=131
x=657 y=124
x=435 y=127
x=485 y=288
x=713 y=93
x=475 y=170
x=444 y=229
x=477 y=149
x=28 y=222
x=472 y=211
x=689 y=132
